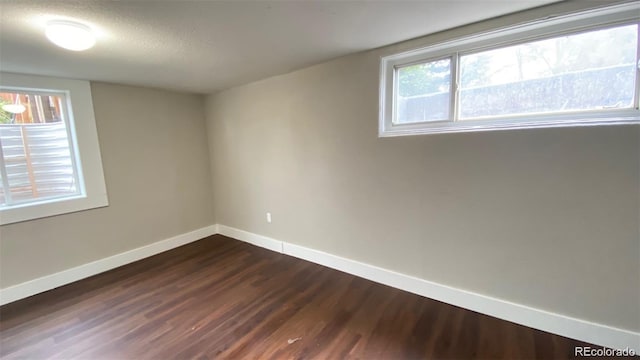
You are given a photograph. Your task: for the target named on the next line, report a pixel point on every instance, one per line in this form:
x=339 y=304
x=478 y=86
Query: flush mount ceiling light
x=70 y=35
x=14 y=108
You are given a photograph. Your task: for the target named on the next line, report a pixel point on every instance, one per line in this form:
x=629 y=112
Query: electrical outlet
x=269 y=217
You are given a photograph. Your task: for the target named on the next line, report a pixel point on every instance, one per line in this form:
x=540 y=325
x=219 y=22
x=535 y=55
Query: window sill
x=46 y=208
x=512 y=123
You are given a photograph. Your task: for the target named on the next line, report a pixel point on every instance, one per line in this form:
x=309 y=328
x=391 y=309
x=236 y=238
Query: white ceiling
x=205 y=46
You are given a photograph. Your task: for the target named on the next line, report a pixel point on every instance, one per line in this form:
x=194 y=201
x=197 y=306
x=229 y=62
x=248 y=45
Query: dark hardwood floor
x=221 y=298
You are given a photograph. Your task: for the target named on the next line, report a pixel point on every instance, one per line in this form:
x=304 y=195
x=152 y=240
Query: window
x=36 y=156
x=581 y=69
x=49 y=154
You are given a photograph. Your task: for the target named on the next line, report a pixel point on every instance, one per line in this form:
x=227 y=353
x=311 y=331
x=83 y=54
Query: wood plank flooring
x=221 y=298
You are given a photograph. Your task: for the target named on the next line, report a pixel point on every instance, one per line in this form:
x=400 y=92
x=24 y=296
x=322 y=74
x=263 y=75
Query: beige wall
x=547 y=218
x=154 y=152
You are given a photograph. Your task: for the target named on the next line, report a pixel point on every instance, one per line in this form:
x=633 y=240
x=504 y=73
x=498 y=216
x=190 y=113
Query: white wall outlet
x=269 y=217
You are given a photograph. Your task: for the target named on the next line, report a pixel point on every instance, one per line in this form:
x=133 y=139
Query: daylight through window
x=36 y=154
x=560 y=78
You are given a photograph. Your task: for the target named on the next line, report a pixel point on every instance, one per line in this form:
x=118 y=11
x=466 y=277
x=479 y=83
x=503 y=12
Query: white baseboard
x=58 y=279
x=574 y=328
x=251 y=238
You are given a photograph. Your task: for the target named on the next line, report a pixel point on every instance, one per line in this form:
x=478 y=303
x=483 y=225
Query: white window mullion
x=455 y=86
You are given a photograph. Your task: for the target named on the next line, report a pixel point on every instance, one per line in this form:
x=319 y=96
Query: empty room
x=311 y=179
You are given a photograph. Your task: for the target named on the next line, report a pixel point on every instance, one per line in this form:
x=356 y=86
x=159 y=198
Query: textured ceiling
x=205 y=46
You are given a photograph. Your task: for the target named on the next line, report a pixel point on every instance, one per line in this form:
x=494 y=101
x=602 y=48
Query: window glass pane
x=588 y=71
x=424 y=92
x=36 y=151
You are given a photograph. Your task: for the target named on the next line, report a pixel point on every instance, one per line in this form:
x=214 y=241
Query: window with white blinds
x=36 y=152
x=50 y=161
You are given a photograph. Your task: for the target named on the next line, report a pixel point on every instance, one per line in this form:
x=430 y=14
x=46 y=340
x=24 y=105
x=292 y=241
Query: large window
x=49 y=156
x=575 y=70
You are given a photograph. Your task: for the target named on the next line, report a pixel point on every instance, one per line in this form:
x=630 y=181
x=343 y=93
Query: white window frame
x=83 y=137
x=529 y=32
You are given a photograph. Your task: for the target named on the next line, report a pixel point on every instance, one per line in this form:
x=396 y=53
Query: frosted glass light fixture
x=70 y=35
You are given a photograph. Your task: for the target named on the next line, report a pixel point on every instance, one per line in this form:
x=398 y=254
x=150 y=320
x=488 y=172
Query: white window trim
x=554 y=26
x=84 y=140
